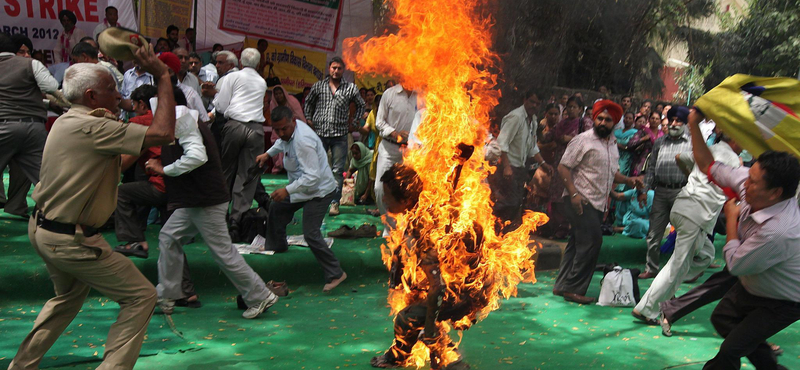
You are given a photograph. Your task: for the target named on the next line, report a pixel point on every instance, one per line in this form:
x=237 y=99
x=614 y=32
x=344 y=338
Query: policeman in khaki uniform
x=77 y=192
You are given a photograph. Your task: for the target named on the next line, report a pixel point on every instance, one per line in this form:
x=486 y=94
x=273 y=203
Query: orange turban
x=607 y=105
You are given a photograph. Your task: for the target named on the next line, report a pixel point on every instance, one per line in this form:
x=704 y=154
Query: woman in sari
x=624 y=136
x=561 y=134
x=642 y=143
x=280 y=98
x=360 y=162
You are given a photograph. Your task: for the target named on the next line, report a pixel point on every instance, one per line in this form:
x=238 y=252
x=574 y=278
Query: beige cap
x=120 y=43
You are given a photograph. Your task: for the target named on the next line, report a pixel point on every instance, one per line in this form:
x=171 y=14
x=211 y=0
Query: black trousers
x=582 y=251
x=746 y=321
x=711 y=290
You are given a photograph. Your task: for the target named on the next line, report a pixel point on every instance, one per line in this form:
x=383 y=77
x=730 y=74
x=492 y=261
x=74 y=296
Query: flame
x=442 y=49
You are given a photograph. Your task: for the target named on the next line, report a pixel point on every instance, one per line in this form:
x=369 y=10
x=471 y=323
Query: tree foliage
x=764 y=42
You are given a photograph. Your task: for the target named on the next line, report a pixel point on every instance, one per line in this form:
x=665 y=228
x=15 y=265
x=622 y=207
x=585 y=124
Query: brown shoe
x=558 y=292
x=333 y=284
x=577 y=298
x=647 y=275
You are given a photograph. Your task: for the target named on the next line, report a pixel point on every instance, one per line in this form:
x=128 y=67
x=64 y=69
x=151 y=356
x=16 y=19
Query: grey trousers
x=693 y=253
x=314 y=210
x=18 y=188
x=242 y=142
x=185 y=223
x=582 y=251
x=659 y=219
x=22 y=143
x=134 y=201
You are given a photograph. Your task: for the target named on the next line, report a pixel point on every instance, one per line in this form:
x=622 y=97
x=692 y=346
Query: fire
x=442 y=49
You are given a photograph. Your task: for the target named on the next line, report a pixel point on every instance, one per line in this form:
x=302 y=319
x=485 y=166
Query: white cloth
x=413 y=140
x=707 y=128
x=517 y=136
x=189 y=138
x=241 y=96
x=43 y=78
x=700 y=201
x=194 y=101
x=208 y=73
x=306 y=164
x=131 y=80
x=192 y=81
x=100 y=28
x=396 y=112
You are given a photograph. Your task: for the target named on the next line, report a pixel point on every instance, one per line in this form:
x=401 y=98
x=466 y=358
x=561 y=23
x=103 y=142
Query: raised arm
x=162 y=130
x=702 y=155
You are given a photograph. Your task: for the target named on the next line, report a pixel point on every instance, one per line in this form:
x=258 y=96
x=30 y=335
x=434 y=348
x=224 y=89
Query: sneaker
x=334 y=209
x=253 y=311
x=365 y=231
x=166 y=305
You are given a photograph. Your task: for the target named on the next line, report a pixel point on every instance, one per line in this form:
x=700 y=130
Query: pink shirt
x=593 y=163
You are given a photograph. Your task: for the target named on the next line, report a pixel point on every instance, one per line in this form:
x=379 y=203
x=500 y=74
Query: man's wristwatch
x=575 y=195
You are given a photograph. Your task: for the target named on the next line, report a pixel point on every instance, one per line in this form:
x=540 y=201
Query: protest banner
x=297 y=68
x=156 y=15
x=38 y=19
x=377 y=82
x=310 y=23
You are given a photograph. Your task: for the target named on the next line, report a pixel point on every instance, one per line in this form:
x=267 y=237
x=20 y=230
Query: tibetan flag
x=760 y=113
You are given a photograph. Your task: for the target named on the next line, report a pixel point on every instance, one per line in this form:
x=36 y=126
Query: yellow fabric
x=777 y=126
x=374 y=129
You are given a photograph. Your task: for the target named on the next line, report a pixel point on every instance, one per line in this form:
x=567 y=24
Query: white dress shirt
x=57 y=71
x=396 y=112
x=43 y=78
x=192 y=81
x=194 y=101
x=517 y=136
x=700 y=201
x=241 y=96
x=306 y=164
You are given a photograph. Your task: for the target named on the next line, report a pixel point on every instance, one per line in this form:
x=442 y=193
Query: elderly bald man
x=76 y=194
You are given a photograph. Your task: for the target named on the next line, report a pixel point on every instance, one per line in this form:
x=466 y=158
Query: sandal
x=644 y=319
x=279 y=288
x=183 y=302
x=132 y=250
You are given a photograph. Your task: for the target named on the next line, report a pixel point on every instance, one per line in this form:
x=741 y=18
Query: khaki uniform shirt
x=81 y=165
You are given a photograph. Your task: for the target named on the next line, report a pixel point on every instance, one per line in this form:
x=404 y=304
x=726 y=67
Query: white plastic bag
x=617 y=289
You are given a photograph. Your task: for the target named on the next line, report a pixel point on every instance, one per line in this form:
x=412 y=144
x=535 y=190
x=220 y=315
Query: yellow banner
x=379 y=83
x=297 y=68
x=157 y=15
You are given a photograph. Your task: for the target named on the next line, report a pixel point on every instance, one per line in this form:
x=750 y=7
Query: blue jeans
x=338 y=147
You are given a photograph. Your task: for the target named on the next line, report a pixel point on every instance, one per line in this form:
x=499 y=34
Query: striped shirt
x=329 y=112
x=661 y=167
x=766 y=257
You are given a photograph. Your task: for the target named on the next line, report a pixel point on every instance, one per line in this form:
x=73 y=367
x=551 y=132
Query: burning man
x=418 y=321
x=589 y=168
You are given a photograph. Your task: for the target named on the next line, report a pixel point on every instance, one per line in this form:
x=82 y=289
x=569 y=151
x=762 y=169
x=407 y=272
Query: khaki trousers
x=77 y=264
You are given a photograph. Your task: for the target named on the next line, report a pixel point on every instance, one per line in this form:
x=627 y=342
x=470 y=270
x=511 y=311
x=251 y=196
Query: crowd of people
x=190 y=135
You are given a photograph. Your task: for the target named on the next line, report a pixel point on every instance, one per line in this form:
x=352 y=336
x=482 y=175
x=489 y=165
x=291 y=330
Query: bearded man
x=589 y=169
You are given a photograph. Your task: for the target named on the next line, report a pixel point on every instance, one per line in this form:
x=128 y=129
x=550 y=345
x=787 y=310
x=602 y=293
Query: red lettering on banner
x=47 y=6
x=91 y=11
x=12 y=8
x=29 y=4
x=73 y=5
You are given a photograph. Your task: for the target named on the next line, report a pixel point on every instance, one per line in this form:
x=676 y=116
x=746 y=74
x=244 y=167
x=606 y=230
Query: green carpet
x=345 y=328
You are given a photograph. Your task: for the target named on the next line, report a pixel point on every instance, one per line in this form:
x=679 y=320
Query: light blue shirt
x=131 y=80
x=306 y=164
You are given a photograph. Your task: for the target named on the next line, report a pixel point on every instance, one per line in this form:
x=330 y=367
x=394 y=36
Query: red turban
x=171 y=60
x=607 y=105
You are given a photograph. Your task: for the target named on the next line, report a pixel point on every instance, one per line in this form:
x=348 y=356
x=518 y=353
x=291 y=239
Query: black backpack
x=254 y=222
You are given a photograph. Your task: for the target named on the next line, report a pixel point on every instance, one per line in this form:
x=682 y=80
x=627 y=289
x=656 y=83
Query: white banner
x=310 y=23
x=38 y=19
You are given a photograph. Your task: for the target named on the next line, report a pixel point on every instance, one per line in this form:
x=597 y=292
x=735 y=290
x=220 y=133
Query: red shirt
x=150 y=153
